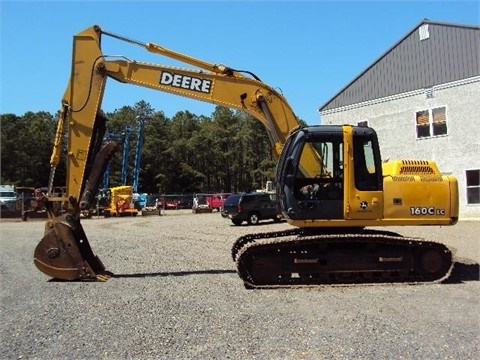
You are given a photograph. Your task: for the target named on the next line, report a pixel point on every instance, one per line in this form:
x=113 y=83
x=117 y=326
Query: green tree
x=226 y=152
x=225 y=166
x=26 y=147
x=156 y=141
x=258 y=157
x=181 y=154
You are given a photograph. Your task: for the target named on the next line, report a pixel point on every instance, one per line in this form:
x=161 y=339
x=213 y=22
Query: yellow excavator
x=331 y=183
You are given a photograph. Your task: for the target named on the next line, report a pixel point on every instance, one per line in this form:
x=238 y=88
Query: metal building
x=422 y=96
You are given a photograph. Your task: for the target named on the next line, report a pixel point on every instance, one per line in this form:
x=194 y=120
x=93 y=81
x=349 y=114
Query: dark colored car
x=251 y=207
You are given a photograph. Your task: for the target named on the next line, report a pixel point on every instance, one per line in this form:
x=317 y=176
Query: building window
x=473 y=186
x=423 y=32
x=362 y=123
x=431 y=122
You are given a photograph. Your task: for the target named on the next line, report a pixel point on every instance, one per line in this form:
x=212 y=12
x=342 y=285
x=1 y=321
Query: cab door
x=364 y=190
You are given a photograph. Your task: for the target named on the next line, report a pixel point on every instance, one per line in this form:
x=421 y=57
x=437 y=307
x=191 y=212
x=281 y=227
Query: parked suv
x=250 y=207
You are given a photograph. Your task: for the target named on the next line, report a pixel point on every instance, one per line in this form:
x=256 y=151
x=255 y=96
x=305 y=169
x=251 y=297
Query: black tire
x=253 y=218
x=237 y=222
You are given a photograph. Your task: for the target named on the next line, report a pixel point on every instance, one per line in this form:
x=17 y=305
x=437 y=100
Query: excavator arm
x=215 y=84
x=64 y=251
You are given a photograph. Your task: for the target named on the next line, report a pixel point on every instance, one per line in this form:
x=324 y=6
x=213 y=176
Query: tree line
x=227 y=152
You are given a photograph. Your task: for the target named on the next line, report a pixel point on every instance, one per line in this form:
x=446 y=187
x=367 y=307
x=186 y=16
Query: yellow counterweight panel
x=417 y=197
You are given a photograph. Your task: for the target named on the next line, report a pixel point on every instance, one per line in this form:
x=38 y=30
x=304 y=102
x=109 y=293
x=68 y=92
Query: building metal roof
x=430 y=54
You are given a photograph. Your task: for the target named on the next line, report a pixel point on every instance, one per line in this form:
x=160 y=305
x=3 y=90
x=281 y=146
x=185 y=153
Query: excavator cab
x=323 y=189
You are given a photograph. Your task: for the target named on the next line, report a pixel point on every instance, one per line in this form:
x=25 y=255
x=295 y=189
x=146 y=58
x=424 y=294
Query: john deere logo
x=185 y=82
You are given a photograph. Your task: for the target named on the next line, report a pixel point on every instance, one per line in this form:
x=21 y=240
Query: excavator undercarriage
x=289 y=258
x=299 y=257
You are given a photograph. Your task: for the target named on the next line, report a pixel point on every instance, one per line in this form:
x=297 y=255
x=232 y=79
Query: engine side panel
x=418 y=197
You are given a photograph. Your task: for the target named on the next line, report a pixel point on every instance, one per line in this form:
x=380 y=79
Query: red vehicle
x=170 y=203
x=216 y=201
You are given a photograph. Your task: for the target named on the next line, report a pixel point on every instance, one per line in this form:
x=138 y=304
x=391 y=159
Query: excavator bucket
x=64 y=252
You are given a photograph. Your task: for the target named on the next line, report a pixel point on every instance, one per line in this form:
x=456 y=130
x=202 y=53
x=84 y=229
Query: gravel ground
x=176 y=295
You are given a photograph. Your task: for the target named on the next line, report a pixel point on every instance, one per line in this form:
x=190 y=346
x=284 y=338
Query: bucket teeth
x=104 y=277
x=65 y=254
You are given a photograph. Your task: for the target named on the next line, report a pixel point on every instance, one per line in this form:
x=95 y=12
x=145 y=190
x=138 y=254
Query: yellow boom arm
x=216 y=84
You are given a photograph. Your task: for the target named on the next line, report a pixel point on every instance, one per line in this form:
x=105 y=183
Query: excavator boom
x=64 y=251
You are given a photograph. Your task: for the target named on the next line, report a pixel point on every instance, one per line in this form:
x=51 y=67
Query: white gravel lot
x=176 y=295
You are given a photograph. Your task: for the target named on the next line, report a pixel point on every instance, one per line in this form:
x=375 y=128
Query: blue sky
x=309 y=50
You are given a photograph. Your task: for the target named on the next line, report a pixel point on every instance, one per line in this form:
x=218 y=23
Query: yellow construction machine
x=120 y=202
x=331 y=183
